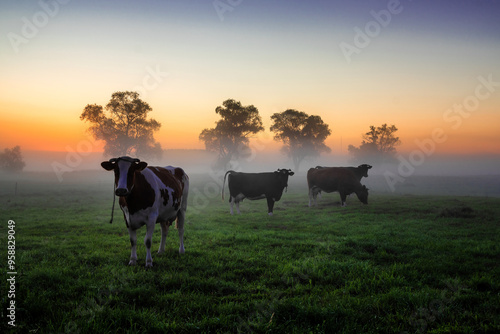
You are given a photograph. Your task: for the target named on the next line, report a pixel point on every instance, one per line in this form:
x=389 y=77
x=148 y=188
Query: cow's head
x=124 y=168
x=362 y=194
x=364 y=168
x=283 y=176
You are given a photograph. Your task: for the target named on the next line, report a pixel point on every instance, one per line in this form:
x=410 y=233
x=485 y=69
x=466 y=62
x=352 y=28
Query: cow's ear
x=290 y=173
x=107 y=165
x=141 y=165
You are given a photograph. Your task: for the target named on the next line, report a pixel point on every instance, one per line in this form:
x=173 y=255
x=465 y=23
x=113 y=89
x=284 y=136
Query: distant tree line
x=303 y=136
x=124 y=126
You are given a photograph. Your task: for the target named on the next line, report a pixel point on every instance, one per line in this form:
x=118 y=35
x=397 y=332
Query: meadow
x=401 y=264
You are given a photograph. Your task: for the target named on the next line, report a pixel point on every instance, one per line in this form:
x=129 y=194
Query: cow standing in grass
x=256 y=186
x=330 y=179
x=149 y=195
x=360 y=172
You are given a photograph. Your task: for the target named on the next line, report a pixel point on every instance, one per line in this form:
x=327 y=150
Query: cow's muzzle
x=121 y=192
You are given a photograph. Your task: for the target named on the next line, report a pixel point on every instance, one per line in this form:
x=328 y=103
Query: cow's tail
x=224 y=182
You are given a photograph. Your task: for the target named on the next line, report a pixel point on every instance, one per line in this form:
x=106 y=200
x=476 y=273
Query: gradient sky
x=415 y=68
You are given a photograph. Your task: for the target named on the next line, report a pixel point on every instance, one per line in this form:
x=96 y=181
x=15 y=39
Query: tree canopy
x=124 y=126
x=230 y=137
x=11 y=160
x=302 y=135
x=379 y=145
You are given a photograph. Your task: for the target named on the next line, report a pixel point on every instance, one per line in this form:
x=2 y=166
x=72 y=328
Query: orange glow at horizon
x=49 y=129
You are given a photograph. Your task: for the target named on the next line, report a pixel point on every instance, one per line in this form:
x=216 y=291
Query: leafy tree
x=11 y=160
x=302 y=135
x=124 y=126
x=231 y=135
x=379 y=144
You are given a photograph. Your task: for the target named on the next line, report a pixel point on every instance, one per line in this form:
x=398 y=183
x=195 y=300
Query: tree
x=125 y=127
x=11 y=160
x=379 y=144
x=301 y=134
x=231 y=135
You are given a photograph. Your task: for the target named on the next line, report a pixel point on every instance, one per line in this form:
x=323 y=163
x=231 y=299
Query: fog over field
x=435 y=174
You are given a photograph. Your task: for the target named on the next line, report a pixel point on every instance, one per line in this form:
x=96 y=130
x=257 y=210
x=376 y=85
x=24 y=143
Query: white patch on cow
x=126 y=214
x=123 y=167
x=137 y=220
x=167 y=211
x=236 y=200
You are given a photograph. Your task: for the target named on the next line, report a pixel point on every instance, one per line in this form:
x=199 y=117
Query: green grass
x=402 y=264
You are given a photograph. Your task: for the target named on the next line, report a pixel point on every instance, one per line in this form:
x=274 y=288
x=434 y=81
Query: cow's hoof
x=270 y=213
x=132 y=262
x=149 y=264
x=161 y=252
x=181 y=250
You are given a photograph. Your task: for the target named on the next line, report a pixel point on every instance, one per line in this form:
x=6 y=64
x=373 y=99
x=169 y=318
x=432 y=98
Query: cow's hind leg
x=313 y=192
x=238 y=207
x=231 y=203
x=164 y=232
x=133 y=247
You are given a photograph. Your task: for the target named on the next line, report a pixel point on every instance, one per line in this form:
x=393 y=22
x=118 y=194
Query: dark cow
x=330 y=179
x=149 y=195
x=360 y=171
x=256 y=186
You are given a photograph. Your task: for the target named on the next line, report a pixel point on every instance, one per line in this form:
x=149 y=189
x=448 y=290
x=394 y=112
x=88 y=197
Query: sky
x=432 y=68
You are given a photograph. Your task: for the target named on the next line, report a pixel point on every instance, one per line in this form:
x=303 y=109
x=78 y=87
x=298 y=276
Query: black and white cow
x=149 y=195
x=256 y=186
x=331 y=179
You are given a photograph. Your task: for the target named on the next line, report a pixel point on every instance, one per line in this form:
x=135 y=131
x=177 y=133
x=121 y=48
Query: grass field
x=402 y=264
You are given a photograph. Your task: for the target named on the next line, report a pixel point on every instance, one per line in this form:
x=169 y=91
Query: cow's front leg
x=164 y=232
x=270 y=206
x=133 y=247
x=150 y=226
x=343 y=198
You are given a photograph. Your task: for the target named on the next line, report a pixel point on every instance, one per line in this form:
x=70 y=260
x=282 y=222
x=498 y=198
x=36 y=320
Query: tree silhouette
x=11 y=160
x=379 y=145
x=301 y=134
x=230 y=137
x=125 y=127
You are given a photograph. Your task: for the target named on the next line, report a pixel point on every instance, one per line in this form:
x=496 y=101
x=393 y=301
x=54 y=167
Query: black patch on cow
x=141 y=197
x=175 y=182
x=164 y=196
x=133 y=242
x=148 y=243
